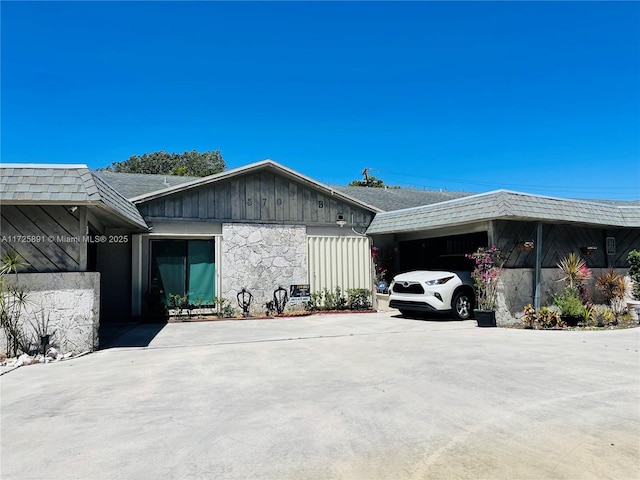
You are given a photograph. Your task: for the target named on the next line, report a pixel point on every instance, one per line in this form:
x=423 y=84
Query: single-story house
x=133 y=238
x=257 y=227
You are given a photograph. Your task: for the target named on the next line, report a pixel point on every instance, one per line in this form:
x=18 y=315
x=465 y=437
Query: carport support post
x=538 y=267
x=82 y=233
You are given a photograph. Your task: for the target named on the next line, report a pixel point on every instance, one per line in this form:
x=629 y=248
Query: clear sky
x=540 y=97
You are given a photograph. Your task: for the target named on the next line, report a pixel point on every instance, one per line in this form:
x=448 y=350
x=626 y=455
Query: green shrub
x=359 y=299
x=569 y=303
x=549 y=318
x=314 y=303
x=634 y=272
x=334 y=300
x=224 y=309
x=546 y=318
x=179 y=303
x=600 y=316
x=356 y=299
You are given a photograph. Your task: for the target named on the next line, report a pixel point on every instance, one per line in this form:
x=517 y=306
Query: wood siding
x=559 y=240
x=262 y=197
x=43 y=236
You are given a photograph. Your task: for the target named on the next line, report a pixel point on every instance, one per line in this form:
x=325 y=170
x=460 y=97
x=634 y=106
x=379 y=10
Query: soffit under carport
x=443 y=232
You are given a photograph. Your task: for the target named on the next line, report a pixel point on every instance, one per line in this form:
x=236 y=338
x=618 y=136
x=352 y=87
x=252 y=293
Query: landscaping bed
x=293 y=314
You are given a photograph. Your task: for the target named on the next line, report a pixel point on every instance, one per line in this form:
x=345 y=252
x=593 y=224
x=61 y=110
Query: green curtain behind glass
x=201 y=268
x=169 y=267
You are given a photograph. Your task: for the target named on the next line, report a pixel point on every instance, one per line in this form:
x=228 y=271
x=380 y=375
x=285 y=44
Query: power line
x=529 y=186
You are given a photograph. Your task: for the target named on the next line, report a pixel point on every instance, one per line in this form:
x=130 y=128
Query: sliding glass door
x=184 y=268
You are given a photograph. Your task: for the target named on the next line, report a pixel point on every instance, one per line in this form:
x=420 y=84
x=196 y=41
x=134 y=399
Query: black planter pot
x=44 y=343
x=571 y=320
x=485 y=318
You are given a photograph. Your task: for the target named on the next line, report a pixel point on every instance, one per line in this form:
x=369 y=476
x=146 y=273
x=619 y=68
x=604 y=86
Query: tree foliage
x=369 y=181
x=193 y=163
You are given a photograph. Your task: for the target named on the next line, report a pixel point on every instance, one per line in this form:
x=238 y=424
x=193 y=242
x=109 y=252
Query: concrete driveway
x=361 y=396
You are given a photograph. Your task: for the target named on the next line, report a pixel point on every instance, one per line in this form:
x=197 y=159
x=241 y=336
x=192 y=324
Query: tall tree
x=193 y=163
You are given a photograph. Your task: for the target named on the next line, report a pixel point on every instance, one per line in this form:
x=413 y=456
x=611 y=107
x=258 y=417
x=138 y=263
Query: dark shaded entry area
x=129 y=335
x=441 y=253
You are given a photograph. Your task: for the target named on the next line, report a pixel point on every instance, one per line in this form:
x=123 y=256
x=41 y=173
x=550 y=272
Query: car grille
x=408 y=287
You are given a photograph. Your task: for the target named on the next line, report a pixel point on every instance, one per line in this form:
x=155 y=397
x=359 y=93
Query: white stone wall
x=516 y=290
x=70 y=300
x=261 y=257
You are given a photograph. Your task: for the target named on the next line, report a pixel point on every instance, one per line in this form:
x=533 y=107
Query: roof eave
x=126 y=221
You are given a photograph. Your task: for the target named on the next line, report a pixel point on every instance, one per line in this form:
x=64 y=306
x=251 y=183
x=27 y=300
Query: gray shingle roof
x=64 y=184
x=389 y=199
x=132 y=185
x=504 y=204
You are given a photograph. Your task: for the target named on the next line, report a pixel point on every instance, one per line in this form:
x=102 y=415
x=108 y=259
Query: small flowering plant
x=381 y=274
x=383 y=263
x=486 y=274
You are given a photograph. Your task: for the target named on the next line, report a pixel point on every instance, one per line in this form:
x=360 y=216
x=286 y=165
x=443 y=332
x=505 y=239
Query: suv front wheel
x=462 y=305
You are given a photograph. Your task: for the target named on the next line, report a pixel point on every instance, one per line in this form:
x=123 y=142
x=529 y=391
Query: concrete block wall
x=70 y=301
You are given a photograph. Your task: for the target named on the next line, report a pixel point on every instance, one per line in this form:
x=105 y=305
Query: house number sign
x=264 y=201
x=278 y=202
x=611 y=245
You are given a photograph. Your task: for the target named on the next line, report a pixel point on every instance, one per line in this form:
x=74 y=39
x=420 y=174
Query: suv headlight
x=439 y=281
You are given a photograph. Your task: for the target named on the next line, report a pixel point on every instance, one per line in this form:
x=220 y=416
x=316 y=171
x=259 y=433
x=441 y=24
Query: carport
x=534 y=233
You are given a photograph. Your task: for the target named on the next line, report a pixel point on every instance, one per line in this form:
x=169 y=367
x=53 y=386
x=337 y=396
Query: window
x=185 y=268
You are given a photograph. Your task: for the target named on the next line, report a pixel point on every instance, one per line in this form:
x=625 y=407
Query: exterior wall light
x=340 y=221
x=525 y=246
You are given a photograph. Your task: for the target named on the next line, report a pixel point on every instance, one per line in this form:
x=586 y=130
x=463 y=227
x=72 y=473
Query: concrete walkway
x=367 y=396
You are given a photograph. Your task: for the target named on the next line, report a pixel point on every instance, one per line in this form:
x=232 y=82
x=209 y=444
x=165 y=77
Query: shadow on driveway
x=129 y=335
x=429 y=317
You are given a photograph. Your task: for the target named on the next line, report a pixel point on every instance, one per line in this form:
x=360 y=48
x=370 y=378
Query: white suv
x=424 y=291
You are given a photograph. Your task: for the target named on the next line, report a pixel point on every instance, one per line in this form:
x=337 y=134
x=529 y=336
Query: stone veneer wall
x=261 y=257
x=71 y=300
x=516 y=290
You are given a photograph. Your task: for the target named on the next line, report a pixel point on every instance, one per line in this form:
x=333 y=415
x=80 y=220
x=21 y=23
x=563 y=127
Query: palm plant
x=574 y=269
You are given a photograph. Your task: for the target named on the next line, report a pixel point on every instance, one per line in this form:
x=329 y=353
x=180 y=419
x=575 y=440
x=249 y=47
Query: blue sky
x=540 y=97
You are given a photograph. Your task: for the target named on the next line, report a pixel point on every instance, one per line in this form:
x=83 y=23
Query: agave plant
x=612 y=285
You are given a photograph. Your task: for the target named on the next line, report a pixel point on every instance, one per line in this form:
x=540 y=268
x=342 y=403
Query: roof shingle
x=64 y=184
x=504 y=204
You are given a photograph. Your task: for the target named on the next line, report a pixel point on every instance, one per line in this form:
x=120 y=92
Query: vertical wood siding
x=339 y=262
x=263 y=197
